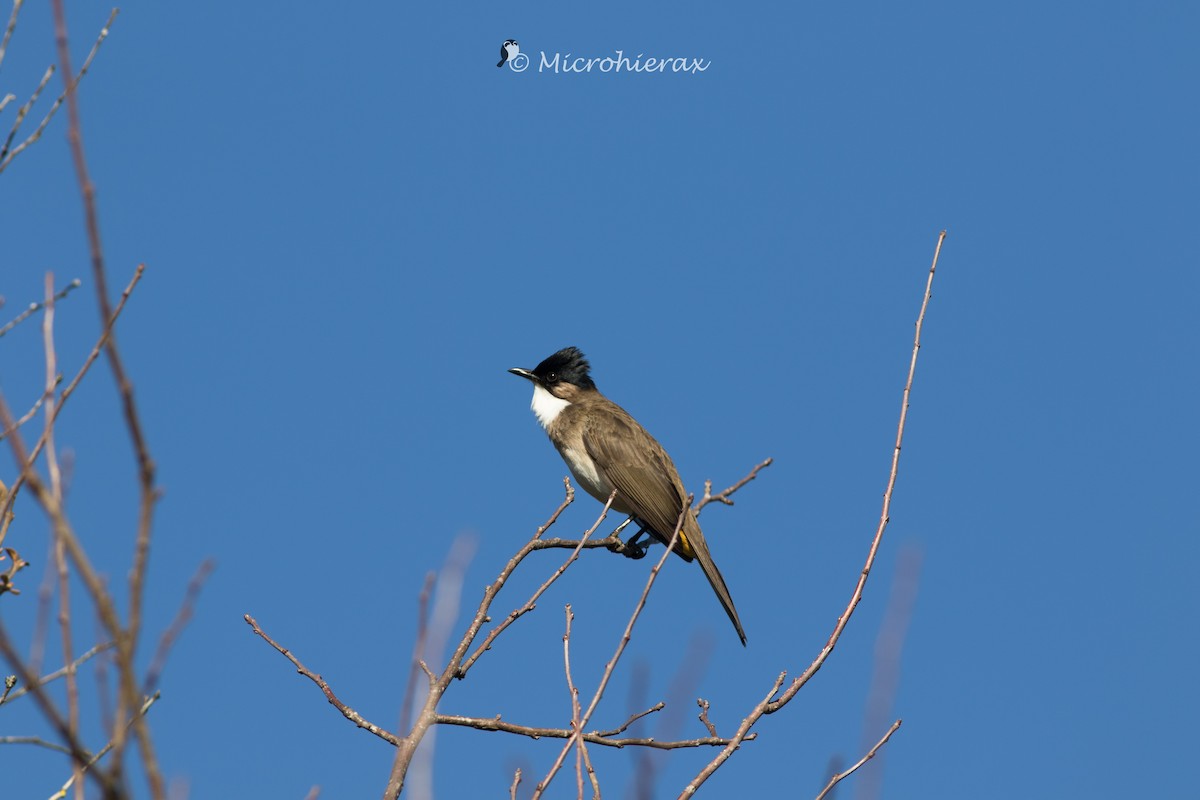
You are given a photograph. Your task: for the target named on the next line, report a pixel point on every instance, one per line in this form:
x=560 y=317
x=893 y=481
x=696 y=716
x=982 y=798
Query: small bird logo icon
x=508 y=51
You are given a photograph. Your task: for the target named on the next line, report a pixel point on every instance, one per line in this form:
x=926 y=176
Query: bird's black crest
x=567 y=365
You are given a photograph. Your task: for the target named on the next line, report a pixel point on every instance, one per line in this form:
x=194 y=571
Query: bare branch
x=889 y=645
x=35 y=741
x=612 y=663
x=6 y=156
x=456 y=668
x=182 y=617
x=58 y=673
x=418 y=648
x=22 y=112
x=37 y=404
x=772 y=703
x=145 y=707
x=602 y=738
x=6 y=503
x=724 y=497
x=885 y=514
x=536 y=543
x=49 y=710
x=574 y=696
x=659 y=706
x=347 y=712
x=712 y=729
x=36 y=307
x=836 y=779
x=10 y=27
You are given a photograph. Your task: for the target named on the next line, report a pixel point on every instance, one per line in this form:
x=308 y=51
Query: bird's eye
x=552 y=377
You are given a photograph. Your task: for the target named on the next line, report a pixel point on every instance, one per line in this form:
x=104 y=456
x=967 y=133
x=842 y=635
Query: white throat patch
x=546 y=406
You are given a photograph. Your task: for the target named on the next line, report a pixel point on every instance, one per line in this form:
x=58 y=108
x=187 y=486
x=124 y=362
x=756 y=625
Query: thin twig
x=724 y=497
x=128 y=637
x=889 y=646
x=659 y=706
x=50 y=711
x=347 y=712
x=60 y=557
x=712 y=729
x=611 y=666
x=58 y=673
x=427 y=716
x=418 y=648
x=10 y=27
x=573 y=693
x=512 y=790
x=149 y=701
x=182 y=617
x=35 y=741
x=5 y=160
x=36 y=307
x=772 y=704
x=23 y=112
x=602 y=738
x=7 y=503
x=31 y=413
x=536 y=543
x=836 y=779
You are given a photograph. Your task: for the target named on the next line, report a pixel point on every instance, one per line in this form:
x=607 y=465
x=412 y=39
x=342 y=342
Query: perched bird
x=508 y=51
x=607 y=449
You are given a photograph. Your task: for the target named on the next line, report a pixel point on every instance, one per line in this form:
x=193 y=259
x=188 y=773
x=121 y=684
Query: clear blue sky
x=354 y=223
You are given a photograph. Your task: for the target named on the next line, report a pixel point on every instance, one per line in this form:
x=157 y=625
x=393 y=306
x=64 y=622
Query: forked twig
x=6 y=155
x=611 y=666
x=724 y=497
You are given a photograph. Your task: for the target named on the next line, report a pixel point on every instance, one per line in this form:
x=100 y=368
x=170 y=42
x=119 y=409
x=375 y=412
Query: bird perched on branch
x=607 y=449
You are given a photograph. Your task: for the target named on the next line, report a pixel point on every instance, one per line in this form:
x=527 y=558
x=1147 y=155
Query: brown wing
x=648 y=484
x=637 y=467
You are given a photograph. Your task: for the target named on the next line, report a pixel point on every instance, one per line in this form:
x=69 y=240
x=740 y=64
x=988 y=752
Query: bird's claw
x=632 y=549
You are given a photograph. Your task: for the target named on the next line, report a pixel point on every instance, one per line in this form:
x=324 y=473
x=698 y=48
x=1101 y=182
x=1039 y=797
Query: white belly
x=585 y=472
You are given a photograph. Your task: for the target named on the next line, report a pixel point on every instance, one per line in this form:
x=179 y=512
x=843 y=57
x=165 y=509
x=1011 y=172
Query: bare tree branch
x=603 y=738
x=625 y=725
x=418 y=650
x=10 y=27
x=612 y=663
x=836 y=779
x=58 y=673
x=145 y=707
x=173 y=631
x=7 y=156
x=724 y=497
x=347 y=712
x=6 y=503
x=36 y=307
x=772 y=703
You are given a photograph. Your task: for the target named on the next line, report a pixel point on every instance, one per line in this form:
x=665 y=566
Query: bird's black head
x=567 y=366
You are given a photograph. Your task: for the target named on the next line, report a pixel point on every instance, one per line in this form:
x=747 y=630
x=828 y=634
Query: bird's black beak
x=524 y=373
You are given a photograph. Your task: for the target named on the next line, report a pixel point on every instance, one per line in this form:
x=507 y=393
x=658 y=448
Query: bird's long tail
x=699 y=548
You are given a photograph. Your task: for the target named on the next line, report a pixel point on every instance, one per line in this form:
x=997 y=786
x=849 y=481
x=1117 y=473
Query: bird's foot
x=634 y=549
